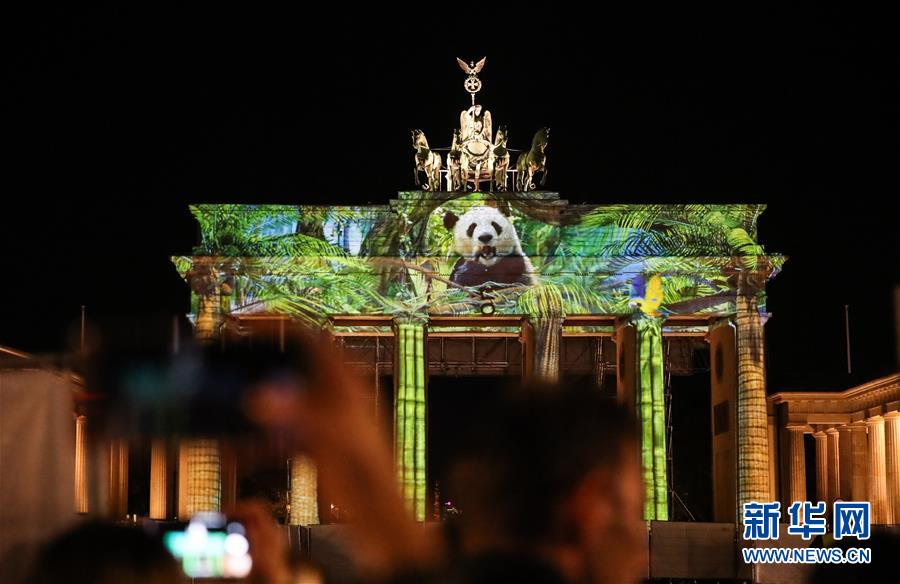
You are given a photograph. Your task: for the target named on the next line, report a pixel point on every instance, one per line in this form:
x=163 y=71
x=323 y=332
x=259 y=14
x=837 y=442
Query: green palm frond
x=686 y=230
x=264 y=230
x=542 y=300
x=336 y=214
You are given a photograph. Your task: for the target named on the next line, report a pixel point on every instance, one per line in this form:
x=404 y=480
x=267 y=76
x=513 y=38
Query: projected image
x=431 y=255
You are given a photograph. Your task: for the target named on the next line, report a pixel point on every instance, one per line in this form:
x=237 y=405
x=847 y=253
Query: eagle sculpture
x=471 y=68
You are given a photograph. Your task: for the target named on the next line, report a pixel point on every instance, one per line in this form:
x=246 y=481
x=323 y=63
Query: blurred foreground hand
x=324 y=416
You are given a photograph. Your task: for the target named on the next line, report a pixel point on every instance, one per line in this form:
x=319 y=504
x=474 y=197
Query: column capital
x=414 y=319
x=874 y=420
x=799 y=428
x=819 y=435
x=716 y=323
x=892 y=416
x=831 y=430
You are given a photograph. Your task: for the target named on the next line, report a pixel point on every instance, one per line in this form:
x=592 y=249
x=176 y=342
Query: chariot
x=476 y=155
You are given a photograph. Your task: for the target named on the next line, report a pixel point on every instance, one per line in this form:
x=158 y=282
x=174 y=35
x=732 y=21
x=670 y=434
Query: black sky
x=119 y=118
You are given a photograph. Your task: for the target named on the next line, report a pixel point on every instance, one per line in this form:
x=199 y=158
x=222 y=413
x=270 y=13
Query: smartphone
x=210 y=546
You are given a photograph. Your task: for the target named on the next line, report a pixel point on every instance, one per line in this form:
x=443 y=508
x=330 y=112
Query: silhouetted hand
x=329 y=422
x=268 y=544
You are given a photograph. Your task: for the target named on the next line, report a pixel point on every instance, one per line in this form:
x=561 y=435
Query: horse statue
x=500 y=160
x=456 y=163
x=533 y=161
x=426 y=161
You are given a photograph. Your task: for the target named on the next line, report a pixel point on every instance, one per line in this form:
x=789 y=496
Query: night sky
x=119 y=119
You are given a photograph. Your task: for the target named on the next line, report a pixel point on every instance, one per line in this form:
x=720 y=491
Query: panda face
x=483 y=234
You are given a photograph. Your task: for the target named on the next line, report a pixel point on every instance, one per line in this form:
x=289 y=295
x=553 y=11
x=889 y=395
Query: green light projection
x=409 y=414
x=546 y=259
x=652 y=416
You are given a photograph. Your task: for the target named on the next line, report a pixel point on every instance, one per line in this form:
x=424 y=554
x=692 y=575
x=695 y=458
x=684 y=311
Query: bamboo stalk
x=421 y=404
x=399 y=405
x=409 y=415
x=645 y=412
x=654 y=332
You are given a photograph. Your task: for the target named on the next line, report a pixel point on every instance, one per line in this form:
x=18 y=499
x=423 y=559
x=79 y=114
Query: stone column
x=753 y=454
x=547 y=339
x=773 y=460
x=652 y=411
x=723 y=420
x=200 y=477
x=304 y=502
x=877 y=483
x=159 y=479
x=206 y=281
x=845 y=463
x=834 y=466
x=821 y=466
x=410 y=418
x=118 y=478
x=626 y=374
x=182 y=488
x=859 y=459
x=97 y=468
x=81 y=492
x=892 y=452
x=797 y=465
x=228 y=478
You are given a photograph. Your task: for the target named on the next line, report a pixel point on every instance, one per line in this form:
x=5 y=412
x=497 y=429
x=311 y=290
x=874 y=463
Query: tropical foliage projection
x=531 y=254
x=310 y=262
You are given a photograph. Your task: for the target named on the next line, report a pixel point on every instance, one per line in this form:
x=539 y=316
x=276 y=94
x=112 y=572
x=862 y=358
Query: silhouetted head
x=555 y=472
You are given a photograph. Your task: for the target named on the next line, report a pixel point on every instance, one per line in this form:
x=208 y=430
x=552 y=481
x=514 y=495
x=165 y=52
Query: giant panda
x=489 y=249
